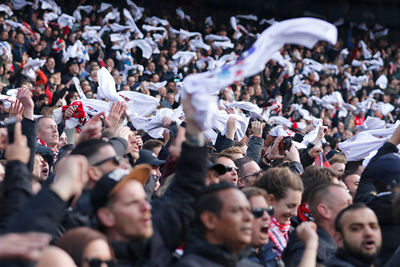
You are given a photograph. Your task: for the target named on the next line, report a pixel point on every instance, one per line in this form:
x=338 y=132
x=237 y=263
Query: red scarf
x=304 y=213
x=278 y=233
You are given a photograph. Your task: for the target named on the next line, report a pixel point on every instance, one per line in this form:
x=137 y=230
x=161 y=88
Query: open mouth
x=264 y=229
x=370 y=244
x=45 y=171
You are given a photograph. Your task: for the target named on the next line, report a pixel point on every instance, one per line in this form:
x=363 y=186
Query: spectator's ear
x=106 y=217
x=94 y=174
x=271 y=199
x=209 y=220
x=338 y=239
x=324 y=211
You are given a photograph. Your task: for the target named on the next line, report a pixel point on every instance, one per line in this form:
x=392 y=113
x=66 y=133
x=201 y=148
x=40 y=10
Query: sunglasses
x=96 y=262
x=253 y=174
x=229 y=169
x=116 y=160
x=259 y=212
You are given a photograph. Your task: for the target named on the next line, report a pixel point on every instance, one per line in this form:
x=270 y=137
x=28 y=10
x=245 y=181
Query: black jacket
x=172 y=214
x=199 y=253
x=343 y=259
x=17 y=189
x=295 y=248
x=381 y=204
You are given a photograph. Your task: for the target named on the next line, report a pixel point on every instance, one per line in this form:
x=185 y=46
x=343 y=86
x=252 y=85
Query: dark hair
x=209 y=200
x=76 y=240
x=276 y=181
x=353 y=166
x=151 y=144
x=240 y=162
x=89 y=148
x=314 y=176
x=353 y=207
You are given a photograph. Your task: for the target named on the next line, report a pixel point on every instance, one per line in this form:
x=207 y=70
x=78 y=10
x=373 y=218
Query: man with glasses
x=261 y=251
x=231 y=174
x=249 y=171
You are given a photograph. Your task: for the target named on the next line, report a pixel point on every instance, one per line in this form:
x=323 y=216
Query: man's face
x=131 y=212
x=234 y=225
x=251 y=171
x=361 y=235
x=133 y=147
x=74 y=69
x=338 y=200
x=260 y=226
x=352 y=182
x=106 y=152
x=48 y=132
x=339 y=167
x=40 y=168
x=231 y=175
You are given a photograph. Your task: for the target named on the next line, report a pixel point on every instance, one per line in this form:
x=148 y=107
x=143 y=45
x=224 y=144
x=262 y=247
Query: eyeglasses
x=229 y=168
x=259 y=212
x=253 y=174
x=116 y=160
x=96 y=262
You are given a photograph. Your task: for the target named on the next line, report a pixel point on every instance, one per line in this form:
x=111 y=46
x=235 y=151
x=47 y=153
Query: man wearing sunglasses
x=249 y=171
x=261 y=251
x=231 y=174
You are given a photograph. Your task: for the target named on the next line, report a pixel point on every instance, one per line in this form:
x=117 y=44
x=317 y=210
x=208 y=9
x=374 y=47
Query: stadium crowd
x=105 y=160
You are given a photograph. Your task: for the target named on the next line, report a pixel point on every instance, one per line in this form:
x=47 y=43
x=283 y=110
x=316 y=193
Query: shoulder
x=193 y=260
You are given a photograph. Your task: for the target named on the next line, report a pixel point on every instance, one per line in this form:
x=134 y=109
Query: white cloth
x=249 y=17
x=372 y=123
x=18 y=4
x=156 y=20
x=301 y=31
x=214 y=37
x=282 y=121
x=382 y=81
x=281 y=130
x=6 y=9
x=221 y=124
x=136 y=10
x=138 y=103
x=131 y=22
x=104 y=7
x=147 y=51
x=302 y=87
x=78 y=88
x=154 y=126
x=106 y=89
x=156 y=86
x=360 y=146
x=224 y=45
x=385 y=108
x=366 y=52
x=152 y=28
x=246 y=106
x=66 y=20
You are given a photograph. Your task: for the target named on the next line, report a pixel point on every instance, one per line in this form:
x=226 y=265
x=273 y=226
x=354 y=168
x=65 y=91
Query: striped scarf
x=278 y=233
